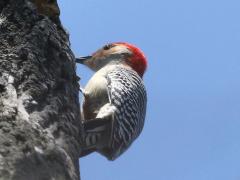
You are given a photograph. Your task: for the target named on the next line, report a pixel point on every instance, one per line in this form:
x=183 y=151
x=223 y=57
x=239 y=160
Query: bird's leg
x=105 y=114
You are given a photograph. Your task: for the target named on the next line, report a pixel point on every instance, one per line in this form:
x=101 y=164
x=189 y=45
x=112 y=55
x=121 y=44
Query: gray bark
x=40 y=125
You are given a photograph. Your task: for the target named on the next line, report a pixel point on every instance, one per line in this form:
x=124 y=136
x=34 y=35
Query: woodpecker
x=115 y=99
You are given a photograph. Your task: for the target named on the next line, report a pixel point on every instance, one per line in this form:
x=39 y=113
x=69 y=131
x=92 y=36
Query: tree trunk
x=40 y=125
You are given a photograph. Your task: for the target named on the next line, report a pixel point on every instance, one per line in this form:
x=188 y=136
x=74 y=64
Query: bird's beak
x=82 y=60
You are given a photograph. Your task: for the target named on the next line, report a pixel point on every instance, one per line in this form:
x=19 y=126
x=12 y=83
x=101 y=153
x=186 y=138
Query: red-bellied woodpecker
x=115 y=99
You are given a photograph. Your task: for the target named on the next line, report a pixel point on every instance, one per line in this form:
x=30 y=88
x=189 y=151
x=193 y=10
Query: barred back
x=127 y=93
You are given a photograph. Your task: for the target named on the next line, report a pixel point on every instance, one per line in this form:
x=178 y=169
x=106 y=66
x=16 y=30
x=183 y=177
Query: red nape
x=138 y=59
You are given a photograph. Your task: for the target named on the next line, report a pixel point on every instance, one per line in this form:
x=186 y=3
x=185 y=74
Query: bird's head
x=116 y=53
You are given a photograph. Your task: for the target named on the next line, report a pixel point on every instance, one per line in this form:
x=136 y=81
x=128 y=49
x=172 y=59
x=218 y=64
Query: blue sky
x=192 y=128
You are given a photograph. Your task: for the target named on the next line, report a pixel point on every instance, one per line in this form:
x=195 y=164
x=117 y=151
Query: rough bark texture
x=39 y=107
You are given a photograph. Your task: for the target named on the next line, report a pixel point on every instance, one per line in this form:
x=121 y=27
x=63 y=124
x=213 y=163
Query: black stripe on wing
x=128 y=95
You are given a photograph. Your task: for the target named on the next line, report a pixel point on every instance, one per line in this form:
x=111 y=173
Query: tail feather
x=96 y=134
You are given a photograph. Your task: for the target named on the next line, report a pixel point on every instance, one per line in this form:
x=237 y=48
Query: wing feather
x=127 y=93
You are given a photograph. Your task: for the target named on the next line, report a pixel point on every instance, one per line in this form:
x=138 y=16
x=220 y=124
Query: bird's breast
x=96 y=96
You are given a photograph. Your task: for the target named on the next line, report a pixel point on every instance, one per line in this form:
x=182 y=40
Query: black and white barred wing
x=127 y=93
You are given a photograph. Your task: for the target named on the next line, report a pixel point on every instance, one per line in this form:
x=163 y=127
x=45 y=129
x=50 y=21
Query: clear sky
x=192 y=129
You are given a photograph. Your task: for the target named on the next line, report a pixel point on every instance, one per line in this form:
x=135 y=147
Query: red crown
x=137 y=61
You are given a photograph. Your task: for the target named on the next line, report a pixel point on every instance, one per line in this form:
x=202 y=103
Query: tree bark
x=40 y=127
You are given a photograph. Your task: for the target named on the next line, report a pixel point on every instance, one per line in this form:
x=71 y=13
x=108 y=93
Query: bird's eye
x=108 y=46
